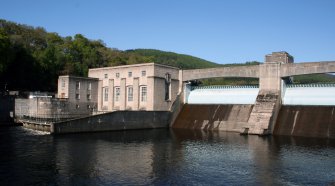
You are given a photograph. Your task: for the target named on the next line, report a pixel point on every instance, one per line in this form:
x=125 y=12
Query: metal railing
x=310 y=85
x=47 y=118
x=223 y=87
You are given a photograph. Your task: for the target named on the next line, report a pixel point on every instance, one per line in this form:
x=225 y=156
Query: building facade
x=80 y=92
x=146 y=86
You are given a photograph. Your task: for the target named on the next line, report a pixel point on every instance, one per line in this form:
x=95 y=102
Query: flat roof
x=134 y=65
x=78 y=77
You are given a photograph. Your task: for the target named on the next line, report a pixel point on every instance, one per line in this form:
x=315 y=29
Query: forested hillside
x=32 y=58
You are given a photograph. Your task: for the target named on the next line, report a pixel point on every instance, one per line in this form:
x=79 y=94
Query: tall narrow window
x=106 y=94
x=63 y=82
x=143 y=94
x=77 y=96
x=106 y=76
x=117 y=75
x=167 y=87
x=130 y=74
x=89 y=86
x=130 y=93
x=117 y=93
x=144 y=73
x=77 y=85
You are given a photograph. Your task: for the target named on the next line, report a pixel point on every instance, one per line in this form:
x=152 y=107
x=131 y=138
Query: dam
x=275 y=106
x=306 y=110
x=118 y=98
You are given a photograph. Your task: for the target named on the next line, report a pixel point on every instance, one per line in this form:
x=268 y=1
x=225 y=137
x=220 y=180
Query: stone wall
x=118 y=120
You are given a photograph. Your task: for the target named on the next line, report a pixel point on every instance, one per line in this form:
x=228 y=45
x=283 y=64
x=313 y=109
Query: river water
x=163 y=157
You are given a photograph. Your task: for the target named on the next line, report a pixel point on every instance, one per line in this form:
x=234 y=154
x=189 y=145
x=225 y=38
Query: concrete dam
x=307 y=110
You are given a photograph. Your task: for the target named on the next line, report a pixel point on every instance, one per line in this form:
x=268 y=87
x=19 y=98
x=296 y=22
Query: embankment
x=308 y=121
x=213 y=117
x=119 y=120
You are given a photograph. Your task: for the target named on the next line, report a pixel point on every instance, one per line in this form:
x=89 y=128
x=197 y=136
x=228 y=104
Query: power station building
x=146 y=86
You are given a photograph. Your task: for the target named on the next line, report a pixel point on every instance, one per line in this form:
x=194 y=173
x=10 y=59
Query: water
x=163 y=157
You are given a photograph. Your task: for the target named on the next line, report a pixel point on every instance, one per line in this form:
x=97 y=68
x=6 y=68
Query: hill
x=181 y=61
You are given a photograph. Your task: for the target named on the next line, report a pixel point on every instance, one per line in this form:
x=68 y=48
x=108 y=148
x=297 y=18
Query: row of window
x=130 y=93
x=88 y=96
x=130 y=74
x=89 y=85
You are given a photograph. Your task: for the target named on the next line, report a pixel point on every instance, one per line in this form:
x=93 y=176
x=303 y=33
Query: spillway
x=307 y=110
x=214 y=117
x=309 y=121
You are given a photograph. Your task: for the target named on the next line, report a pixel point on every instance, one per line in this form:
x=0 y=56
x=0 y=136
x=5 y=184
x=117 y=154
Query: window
x=105 y=93
x=167 y=87
x=144 y=73
x=77 y=85
x=130 y=93
x=117 y=75
x=77 y=106
x=130 y=74
x=77 y=96
x=89 y=97
x=106 y=76
x=117 y=93
x=143 y=94
x=63 y=82
x=89 y=86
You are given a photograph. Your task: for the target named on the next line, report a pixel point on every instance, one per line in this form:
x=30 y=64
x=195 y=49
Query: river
x=163 y=157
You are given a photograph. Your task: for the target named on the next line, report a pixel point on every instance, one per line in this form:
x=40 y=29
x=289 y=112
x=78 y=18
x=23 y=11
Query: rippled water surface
x=163 y=157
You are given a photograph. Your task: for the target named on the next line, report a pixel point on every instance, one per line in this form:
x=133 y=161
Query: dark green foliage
x=169 y=58
x=314 y=78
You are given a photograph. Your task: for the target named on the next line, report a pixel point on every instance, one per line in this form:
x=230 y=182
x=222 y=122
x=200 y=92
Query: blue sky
x=222 y=31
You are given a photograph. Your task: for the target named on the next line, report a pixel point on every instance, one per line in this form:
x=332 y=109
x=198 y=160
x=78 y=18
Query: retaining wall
x=119 y=120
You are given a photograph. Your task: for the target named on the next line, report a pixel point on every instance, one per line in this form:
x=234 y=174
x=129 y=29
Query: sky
x=221 y=31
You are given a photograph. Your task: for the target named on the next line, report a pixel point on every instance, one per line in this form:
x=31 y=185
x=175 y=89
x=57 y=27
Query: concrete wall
x=305 y=95
x=222 y=95
x=118 y=120
x=240 y=71
x=231 y=118
x=307 y=121
x=307 y=68
x=49 y=108
x=6 y=107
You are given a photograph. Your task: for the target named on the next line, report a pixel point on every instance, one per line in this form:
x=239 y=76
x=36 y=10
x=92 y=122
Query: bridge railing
x=310 y=85
x=223 y=87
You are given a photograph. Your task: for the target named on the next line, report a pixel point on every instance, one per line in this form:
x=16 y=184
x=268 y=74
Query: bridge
x=269 y=95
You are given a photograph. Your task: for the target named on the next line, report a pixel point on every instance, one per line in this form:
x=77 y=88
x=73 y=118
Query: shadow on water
x=163 y=157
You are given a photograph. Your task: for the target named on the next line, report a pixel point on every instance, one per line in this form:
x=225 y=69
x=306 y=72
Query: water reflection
x=163 y=157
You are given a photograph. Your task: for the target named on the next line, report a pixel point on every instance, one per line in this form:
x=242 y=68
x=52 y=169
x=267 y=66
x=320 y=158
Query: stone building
x=146 y=86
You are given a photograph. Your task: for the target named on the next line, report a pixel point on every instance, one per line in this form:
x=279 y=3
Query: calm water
x=163 y=157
